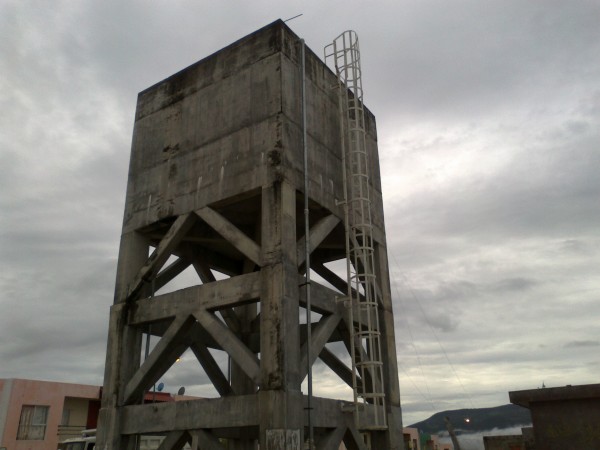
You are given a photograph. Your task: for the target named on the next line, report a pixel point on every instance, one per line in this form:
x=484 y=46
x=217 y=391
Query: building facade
x=508 y=442
x=563 y=417
x=37 y=415
x=411 y=438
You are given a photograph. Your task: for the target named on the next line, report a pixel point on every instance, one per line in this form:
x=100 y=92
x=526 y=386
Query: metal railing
x=69 y=431
x=363 y=291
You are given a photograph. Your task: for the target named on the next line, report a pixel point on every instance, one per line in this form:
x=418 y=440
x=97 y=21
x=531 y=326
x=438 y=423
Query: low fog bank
x=474 y=441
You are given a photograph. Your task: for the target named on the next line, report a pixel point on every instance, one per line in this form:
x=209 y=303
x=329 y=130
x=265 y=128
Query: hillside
x=479 y=419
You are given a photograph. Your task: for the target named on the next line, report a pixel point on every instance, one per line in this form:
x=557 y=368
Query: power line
x=427 y=398
x=416 y=298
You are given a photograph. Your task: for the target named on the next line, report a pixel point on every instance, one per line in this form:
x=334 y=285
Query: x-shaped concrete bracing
x=191 y=313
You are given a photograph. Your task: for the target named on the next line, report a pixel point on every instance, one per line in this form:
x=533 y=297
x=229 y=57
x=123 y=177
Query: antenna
x=292 y=18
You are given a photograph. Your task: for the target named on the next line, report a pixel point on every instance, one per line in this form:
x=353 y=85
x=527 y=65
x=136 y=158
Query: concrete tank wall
x=230 y=123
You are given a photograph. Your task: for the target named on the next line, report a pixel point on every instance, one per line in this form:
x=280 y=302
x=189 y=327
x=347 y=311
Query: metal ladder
x=363 y=291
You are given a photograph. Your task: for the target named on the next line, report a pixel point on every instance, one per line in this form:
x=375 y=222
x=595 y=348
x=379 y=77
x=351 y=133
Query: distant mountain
x=478 y=419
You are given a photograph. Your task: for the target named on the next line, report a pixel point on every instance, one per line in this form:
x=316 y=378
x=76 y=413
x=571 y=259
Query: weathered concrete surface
x=215 y=129
x=508 y=442
x=563 y=417
x=216 y=180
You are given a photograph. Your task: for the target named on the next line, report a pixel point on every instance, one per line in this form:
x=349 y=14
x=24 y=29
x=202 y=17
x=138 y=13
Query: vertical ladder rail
x=360 y=248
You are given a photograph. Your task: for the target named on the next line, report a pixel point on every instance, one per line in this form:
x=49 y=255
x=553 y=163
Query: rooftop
x=526 y=397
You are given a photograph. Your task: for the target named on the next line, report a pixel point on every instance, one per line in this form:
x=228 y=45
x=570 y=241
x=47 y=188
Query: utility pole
x=451 y=432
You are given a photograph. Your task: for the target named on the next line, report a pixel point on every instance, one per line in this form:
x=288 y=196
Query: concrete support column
x=123 y=346
x=280 y=399
x=281 y=420
x=240 y=382
x=393 y=438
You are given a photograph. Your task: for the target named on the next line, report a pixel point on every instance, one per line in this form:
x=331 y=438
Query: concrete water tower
x=243 y=165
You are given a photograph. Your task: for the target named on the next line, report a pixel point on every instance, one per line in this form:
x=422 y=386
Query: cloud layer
x=489 y=132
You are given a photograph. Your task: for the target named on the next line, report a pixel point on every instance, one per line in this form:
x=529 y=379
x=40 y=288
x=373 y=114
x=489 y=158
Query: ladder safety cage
x=367 y=365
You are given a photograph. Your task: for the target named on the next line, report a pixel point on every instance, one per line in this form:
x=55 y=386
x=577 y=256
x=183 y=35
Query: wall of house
x=5 y=389
x=566 y=423
x=78 y=408
x=75 y=420
x=411 y=438
x=510 y=442
x=38 y=393
x=563 y=417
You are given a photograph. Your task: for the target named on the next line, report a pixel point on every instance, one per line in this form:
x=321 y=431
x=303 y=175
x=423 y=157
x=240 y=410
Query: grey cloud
x=443 y=322
x=577 y=246
x=578 y=344
x=514 y=284
x=472 y=58
x=517 y=200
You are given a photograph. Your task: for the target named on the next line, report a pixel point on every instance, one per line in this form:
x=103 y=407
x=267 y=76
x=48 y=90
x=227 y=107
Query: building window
x=32 y=425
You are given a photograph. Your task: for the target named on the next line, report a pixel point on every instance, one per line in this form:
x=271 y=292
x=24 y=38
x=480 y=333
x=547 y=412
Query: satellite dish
x=181 y=390
x=160 y=386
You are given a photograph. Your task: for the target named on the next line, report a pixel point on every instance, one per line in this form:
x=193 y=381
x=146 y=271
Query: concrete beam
x=204 y=440
x=323 y=299
x=327 y=301
x=225 y=412
x=328 y=413
x=318 y=233
x=332 y=439
x=338 y=366
x=175 y=440
x=170 y=272
x=212 y=296
x=231 y=319
x=331 y=277
x=229 y=342
x=205 y=274
x=162 y=252
x=162 y=357
x=200 y=266
x=361 y=356
x=352 y=439
x=320 y=336
x=213 y=259
x=164 y=276
x=212 y=369
x=231 y=233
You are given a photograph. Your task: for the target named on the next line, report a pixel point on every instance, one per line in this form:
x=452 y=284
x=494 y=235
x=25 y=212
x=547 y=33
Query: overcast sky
x=489 y=133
